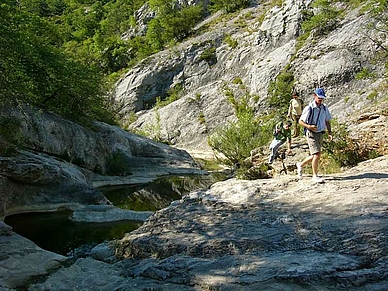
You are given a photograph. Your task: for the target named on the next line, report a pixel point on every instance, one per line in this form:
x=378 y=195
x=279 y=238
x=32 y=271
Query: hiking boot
x=300 y=170
x=317 y=179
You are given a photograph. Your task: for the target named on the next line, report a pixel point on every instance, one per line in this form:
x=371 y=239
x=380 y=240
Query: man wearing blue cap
x=315 y=119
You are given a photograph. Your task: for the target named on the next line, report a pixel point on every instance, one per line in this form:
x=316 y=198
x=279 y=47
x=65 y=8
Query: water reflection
x=54 y=231
x=158 y=194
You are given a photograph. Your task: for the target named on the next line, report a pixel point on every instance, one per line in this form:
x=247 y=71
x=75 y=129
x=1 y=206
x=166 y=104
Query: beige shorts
x=314 y=140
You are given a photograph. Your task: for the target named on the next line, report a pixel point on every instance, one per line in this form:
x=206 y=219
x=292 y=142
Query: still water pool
x=54 y=231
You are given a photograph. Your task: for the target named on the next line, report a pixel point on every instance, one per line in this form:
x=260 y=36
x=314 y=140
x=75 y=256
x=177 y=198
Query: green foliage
x=365 y=73
x=237 y=81
x=379 y=27
x=173 y=94
x=325 y=20
x=153 y=130
x=201 y=118
x=118 y=165
x=249 y=172
x=58 y=54
x=38 y=72
x=230 y=41
x=354 y=3
x=280 y=89
x=372 y=95
x=209 y=164
x=227 y=5
x=237 y=139
x=171 y=24
x=344 y=151
x=10 y=130
x=10 y=136
x=132 y=117
x=209 y=55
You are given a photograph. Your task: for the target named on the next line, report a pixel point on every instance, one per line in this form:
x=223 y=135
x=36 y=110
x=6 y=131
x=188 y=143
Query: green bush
x=279 y=90
x=236 y=139
x=325 y=20
x=230 y=41
x=10 y=136
x=171 y=24
x=227 y=5
x=344 y=151
x=173 y=94
x=365 y=73
x=118 y=165
x=209 y=55
x=10 y=130
x=249 y=172
x=39 y=72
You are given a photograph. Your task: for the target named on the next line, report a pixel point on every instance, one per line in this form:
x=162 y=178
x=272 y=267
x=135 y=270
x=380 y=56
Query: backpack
x=310 y=117
x=278 y=125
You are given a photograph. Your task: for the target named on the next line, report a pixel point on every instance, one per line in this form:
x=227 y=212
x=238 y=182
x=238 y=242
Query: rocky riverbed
x=269 y=234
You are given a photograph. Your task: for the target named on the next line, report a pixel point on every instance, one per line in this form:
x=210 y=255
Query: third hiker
x=295 y=111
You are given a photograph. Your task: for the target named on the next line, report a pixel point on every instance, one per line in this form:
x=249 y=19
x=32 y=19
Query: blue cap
x=320 y=93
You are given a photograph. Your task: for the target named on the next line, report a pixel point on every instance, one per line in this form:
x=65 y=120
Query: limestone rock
x=243 y=233
x=331 y=61
x=21 y=259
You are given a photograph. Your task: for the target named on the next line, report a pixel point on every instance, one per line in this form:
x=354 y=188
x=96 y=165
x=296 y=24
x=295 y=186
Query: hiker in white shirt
x=315 y=119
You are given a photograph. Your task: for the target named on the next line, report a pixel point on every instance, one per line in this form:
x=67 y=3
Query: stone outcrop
x=21 y=260
x=269 y=234
x=202 y=66
x=60 y=163
x=246 y=232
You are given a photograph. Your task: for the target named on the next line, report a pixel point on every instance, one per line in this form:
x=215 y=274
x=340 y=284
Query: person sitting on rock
x=282 y=133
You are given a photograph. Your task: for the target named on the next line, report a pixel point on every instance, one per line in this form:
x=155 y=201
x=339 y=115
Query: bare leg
x=315 y=162
x=307 y=160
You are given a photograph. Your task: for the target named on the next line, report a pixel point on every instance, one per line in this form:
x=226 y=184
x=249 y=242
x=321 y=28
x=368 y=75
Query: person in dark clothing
x=282 y=133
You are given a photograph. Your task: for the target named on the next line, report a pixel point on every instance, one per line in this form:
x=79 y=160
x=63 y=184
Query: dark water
x=54 y=231
x=158 y=194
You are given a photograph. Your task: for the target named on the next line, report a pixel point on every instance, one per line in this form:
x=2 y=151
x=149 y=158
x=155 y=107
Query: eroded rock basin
x=75 y=230
x=270 y=234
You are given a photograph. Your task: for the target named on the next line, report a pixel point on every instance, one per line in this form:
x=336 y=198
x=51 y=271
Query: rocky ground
x=280 y=233
x=268 y=234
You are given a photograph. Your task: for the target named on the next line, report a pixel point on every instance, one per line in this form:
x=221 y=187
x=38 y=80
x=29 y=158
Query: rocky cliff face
x=60 y=162
x=272 y=234
x=204 y=64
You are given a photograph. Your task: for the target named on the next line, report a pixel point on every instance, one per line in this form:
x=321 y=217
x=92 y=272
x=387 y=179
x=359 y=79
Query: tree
x=227 y=5
x=36 y=71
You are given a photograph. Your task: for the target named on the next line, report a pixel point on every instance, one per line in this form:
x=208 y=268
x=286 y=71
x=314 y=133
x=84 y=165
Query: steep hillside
x=246 y=52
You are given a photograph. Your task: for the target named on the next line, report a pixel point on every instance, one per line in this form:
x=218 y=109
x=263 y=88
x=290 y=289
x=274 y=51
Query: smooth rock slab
x=107 y=213
x=21 y=259
x=89 y=274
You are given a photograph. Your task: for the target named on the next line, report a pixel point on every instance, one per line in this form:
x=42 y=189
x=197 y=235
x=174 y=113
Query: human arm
x=289 y=110
x=310 y=127
x=289 y=147
x=288 y=141
x=278 y=128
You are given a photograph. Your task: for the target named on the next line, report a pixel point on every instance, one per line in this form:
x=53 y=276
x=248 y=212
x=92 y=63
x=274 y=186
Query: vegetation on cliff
x=63 y=55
